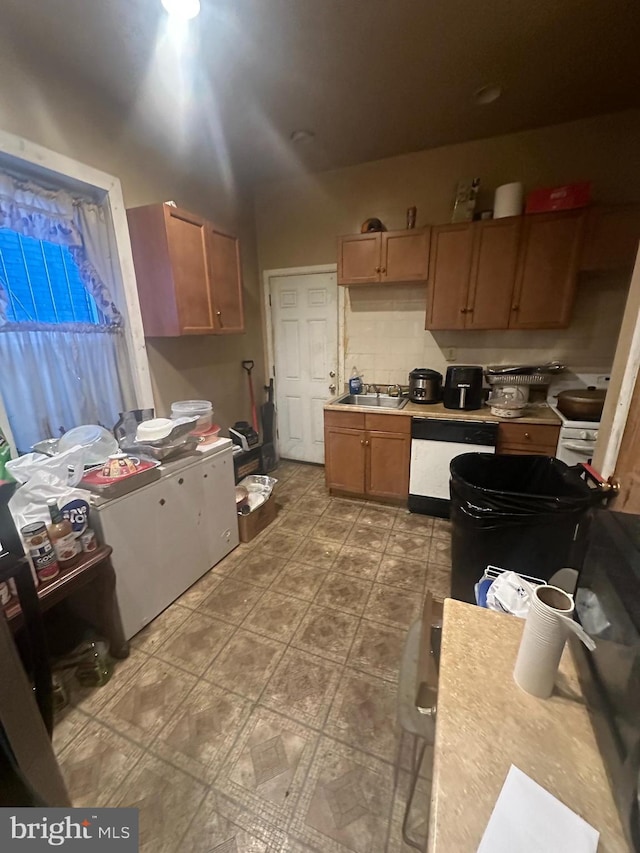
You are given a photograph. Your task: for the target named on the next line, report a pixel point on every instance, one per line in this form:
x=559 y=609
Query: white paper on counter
x=529 y=819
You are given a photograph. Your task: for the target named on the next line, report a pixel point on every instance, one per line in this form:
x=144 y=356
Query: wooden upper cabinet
x=187 y=243
x=493 y=273
x=226 y=282
x=547 y=270
x=187 y=272
x=405 y=255
x=359 y=258
x=384 y=257
x=449 y=269
x=611 y=238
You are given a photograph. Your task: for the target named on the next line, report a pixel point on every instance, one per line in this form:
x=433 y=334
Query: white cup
x=543 y=638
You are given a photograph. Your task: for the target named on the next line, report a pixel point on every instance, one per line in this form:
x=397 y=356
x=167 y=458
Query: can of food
x=88 y=541
x=40 y=551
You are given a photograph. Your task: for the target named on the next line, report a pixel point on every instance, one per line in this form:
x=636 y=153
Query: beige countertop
x=533 y=414
x=486 y=723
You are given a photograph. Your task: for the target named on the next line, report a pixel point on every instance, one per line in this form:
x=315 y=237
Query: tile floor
x=257 y=713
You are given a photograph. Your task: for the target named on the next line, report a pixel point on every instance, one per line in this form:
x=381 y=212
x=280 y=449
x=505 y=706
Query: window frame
x=42 y=164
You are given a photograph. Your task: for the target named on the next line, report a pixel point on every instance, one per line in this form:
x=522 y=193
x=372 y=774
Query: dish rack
x=538 y=379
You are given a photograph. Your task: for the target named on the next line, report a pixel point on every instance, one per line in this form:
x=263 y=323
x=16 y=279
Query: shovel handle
x=248 y=365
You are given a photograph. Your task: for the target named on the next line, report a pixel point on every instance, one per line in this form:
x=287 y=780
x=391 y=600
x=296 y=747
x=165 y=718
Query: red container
x=568 y=197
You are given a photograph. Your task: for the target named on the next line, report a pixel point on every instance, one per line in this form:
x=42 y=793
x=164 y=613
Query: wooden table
x=90 y=590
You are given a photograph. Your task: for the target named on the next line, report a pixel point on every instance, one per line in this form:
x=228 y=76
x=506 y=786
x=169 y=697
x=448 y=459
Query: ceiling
x=371 y=78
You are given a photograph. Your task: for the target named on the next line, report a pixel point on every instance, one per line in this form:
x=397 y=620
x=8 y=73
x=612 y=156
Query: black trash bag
x=528 y=514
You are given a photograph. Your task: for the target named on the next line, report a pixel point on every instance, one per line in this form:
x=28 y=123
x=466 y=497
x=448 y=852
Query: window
x=43 y=283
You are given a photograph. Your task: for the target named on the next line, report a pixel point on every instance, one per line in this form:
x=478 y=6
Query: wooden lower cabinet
x=528 y=439
x=387 y=467
x=368 y=454
x=345 y=459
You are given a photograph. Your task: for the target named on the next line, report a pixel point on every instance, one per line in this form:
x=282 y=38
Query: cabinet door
x=493 y=273
x=187 y=237
x=345 y=459
x=133 y=525
x=388 y=456
x=449 y=270
x=547 y=270
x=611 y=238
x=220 y=521
x=359 y=258
x=223 y=252
x=405 y=255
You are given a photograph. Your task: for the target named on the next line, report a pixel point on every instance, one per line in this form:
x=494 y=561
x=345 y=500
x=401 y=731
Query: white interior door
x=304 y=315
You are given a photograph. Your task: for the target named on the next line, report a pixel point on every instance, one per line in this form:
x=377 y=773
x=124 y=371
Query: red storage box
x=567 y=197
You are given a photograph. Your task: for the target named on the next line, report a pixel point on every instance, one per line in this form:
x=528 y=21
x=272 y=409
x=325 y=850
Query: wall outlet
x=450 y=353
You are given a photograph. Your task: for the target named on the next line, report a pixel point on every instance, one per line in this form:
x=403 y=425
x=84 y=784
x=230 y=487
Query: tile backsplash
x=385 y=335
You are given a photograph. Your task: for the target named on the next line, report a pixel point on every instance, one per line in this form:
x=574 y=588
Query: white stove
x=577 y=439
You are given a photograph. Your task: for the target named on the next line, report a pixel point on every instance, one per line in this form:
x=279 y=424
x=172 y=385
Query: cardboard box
x=250 y=525
x=568 y=197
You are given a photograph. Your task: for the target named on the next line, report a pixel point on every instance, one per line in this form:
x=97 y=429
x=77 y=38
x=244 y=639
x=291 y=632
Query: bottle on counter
x=67 y=547
x=355 y=382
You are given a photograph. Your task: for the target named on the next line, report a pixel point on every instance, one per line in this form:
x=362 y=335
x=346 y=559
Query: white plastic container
x=508 y=201
x=202 y=409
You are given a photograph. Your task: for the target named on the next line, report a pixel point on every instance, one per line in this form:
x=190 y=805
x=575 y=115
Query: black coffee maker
x=463 y=387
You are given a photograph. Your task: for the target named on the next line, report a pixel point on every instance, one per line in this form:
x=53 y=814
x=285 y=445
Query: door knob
x=332 y=374
x=332 y=388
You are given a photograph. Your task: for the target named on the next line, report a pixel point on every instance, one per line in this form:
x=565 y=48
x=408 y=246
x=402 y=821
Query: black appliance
x=463 y=387
x=425 y=385
x=608 y=606
x=244 y=435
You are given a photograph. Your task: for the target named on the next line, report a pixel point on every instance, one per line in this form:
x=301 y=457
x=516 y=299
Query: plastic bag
x=67 y=467
x=509 y=593
x=46 y=477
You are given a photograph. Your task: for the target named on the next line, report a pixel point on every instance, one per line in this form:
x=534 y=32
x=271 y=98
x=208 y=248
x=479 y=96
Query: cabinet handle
x=181 y=481
x=362 y=442
x=162 y=502
x=515 y=307
x=377 y=269
x=366 y=444
x=383 y=270
x=527 y=435
x=218 y=313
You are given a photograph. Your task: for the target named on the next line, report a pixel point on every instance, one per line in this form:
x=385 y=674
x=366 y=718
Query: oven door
x=572 y=451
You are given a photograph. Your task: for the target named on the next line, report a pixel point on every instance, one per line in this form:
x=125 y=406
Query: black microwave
x=608 y=607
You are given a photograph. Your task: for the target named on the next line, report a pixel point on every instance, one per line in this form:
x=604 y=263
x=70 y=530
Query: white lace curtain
x=54 y=377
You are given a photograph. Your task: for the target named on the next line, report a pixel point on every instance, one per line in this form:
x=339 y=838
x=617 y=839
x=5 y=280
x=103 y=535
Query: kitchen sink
x=374 y=401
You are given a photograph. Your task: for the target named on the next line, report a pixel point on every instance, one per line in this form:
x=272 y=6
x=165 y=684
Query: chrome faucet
x=375 y=390
x=395 y=387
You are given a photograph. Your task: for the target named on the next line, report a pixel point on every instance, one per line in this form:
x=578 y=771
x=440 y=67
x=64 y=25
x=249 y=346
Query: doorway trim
x=267 y=275
x=622 y=386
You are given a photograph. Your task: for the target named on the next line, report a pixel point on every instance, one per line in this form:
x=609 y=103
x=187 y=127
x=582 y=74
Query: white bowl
x=508 y=411
x=154 y=430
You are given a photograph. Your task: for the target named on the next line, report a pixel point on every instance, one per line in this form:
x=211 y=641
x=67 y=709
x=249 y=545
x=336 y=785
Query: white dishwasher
x=167 y=534
x=434 y=443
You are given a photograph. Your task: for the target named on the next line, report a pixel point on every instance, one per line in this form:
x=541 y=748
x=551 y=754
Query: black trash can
x=529 y=514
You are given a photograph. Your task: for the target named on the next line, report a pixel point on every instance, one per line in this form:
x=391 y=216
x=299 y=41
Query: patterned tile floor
x=257 y=713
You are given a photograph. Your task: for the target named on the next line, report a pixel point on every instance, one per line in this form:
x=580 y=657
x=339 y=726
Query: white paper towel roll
x=543 y=638
x=508 y=200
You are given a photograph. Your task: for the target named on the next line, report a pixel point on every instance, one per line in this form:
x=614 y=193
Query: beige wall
x=59 y=114
x=298 y=222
